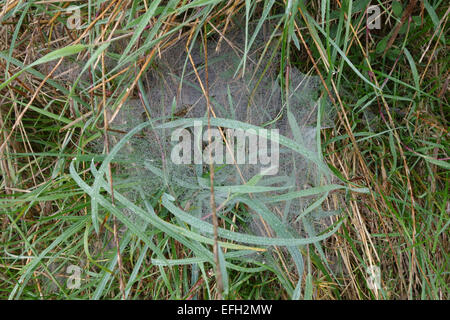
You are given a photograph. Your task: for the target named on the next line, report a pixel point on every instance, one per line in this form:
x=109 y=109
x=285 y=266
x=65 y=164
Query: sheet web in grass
x=282 y=209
